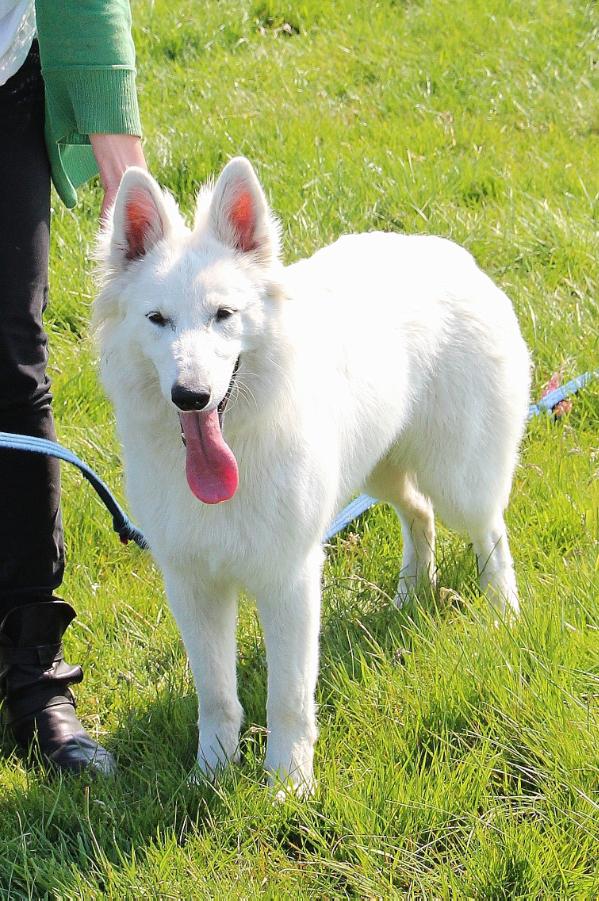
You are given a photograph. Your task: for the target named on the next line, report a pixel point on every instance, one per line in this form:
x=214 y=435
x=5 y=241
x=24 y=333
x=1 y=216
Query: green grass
x=455 y=759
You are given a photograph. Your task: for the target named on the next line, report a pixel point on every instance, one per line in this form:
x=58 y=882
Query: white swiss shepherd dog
x=254 y=399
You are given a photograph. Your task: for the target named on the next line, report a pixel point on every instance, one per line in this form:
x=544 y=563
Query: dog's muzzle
x=222 y=406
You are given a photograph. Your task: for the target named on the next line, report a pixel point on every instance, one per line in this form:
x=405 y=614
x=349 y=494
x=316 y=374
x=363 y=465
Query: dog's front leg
x=206 y=616
x=290 y=615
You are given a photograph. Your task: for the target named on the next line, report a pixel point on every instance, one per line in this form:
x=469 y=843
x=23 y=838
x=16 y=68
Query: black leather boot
x=34 y=682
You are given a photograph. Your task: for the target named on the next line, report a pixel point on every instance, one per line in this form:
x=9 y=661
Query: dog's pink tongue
x=211 y=468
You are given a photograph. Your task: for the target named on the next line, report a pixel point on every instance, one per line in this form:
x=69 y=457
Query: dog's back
x=409 y=349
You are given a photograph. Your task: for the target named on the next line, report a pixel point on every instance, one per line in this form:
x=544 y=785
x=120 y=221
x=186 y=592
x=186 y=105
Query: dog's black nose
x=186 y=399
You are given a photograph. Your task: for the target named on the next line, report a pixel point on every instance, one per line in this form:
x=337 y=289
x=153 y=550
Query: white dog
x=252 y=400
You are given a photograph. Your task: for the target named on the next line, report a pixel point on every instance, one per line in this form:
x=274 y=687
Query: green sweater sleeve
x=88 y=64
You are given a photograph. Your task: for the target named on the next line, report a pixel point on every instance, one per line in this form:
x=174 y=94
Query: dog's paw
x=295 y=780
x=410 y=584
x=208 y=768
x=289 y=761
x=218 y=745
x=213 y=758
x=503 y=603
x=198 y=778
x=407 y=589
x=403 y=594
x=291 y=787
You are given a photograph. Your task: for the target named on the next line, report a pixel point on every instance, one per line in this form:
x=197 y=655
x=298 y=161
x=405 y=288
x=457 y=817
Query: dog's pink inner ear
x=143 y=226
x=243 y=220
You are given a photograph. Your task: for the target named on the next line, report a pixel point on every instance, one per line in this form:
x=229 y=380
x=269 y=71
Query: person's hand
x=114 y=154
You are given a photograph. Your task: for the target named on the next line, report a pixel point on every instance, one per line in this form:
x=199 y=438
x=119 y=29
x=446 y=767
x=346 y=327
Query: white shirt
x=17 y=30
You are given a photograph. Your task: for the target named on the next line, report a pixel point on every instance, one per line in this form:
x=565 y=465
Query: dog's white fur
x=385 y=362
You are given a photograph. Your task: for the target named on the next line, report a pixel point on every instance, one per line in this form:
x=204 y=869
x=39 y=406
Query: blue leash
x=128 y=532
x=121 y=523
x=551 y=400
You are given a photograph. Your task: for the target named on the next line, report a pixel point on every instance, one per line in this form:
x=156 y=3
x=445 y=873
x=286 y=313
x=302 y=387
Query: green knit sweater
x=88 y=64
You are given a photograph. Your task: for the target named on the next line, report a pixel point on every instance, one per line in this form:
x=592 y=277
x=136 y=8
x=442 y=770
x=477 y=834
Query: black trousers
x=31 y=543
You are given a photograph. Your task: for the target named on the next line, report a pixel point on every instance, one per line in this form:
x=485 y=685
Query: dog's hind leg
x=290 y=614
x=206 y=616
x=415 y=512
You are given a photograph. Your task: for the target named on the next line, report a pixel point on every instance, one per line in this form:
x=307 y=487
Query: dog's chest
x=260 y=528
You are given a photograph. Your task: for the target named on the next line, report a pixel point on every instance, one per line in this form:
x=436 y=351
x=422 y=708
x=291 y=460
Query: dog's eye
x=157 y=318
x=223 y=313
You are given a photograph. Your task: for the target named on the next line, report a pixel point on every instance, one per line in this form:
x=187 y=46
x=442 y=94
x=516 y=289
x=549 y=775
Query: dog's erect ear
x=139 y=218
x=239 y=215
